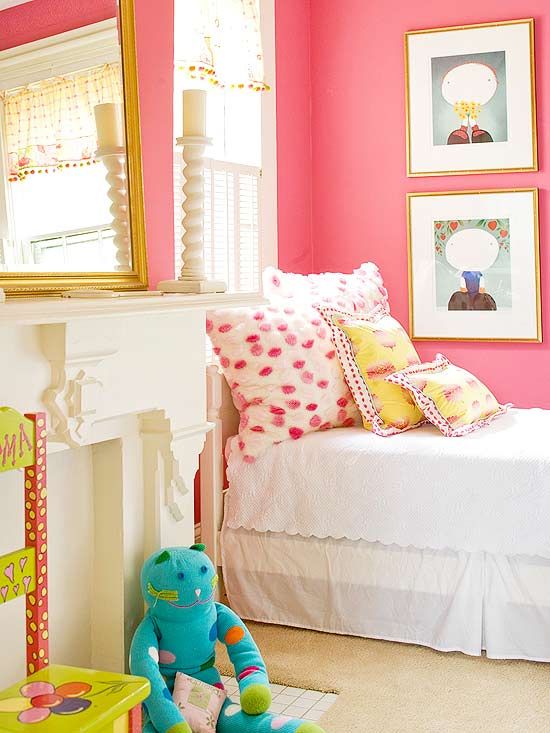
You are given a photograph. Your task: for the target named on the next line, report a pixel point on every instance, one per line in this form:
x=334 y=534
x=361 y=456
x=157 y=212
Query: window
x=240 y=172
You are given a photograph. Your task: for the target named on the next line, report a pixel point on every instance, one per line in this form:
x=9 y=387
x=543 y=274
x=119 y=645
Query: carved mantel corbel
x=170 y=461
x=75 y=351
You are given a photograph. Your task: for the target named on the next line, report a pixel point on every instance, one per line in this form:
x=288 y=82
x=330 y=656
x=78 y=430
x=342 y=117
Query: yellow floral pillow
x=369 y=349
x=450 y=397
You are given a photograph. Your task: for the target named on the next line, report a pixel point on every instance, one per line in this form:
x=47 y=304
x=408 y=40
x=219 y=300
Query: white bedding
x=488 y=491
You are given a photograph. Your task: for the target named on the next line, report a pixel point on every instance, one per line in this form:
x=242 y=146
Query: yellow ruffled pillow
x=371 y=348
x=450 y=397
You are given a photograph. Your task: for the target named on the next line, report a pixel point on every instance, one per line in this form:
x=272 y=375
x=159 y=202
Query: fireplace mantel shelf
x=33 y=311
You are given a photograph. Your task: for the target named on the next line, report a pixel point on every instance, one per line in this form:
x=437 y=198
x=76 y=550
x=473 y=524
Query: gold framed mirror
x=71 y=191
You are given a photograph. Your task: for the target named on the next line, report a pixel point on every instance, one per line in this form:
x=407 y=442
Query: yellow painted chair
x=53 y=698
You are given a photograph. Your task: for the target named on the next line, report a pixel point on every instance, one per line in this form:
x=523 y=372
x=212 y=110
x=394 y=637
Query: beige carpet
x=397 y=688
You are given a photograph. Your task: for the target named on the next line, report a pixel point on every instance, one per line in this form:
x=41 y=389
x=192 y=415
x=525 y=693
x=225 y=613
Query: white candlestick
x=109 y=126
x=114 y=159
x=194 y=112
x=192 y=277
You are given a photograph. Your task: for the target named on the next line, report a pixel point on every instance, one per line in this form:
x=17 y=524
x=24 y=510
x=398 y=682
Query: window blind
x=231 y=223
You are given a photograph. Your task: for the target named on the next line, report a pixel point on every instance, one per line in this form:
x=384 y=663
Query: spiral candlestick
x=114 y=160
x=192 y=276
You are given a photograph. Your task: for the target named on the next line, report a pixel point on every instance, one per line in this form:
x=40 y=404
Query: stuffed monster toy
x=179 y=633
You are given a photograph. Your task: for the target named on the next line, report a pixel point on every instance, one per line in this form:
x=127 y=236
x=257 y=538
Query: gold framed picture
x=474 y=271
x=470 y=94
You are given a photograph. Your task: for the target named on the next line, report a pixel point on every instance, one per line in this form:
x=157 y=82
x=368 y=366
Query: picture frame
x=474 y=265
x=471 y=99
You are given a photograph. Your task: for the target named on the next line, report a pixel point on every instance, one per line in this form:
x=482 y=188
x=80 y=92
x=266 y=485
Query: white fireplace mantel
x=25 y=311
x=125 y=379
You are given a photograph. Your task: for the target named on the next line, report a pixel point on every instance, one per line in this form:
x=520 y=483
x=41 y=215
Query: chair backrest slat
x=17 y=574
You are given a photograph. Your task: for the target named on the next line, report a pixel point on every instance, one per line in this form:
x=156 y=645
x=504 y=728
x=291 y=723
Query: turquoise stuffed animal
x=179 y=634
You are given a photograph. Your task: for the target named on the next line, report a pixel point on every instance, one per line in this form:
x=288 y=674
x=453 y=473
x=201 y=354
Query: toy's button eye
x=204 y=569
x=181 y=576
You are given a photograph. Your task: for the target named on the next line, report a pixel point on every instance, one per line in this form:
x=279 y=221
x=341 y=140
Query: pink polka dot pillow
x=359 y=292
x=283 y=372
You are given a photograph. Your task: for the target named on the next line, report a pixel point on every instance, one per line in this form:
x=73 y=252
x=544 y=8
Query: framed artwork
x=474 y=270
x=471 y=99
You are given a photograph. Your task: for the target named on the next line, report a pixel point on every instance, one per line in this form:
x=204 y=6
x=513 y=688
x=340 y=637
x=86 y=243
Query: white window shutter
x=231 y=223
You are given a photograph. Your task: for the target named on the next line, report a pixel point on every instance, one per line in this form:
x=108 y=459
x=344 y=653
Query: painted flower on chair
x=40 y=699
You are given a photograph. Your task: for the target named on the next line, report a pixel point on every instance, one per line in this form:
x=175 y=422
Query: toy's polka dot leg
x=233 y=720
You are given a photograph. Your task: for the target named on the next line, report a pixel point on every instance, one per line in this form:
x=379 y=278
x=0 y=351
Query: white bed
x=416 y=538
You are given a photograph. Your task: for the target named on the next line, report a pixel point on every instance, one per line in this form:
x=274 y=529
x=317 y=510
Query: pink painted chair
x=52 y=698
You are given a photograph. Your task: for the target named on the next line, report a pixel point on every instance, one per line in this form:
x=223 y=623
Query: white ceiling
x=4 y=4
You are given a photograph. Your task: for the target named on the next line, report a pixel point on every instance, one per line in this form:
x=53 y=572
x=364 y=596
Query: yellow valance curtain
x=220 y=41
x=50 y=125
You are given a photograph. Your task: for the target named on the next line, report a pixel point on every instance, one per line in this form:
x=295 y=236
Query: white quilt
x=488 y=491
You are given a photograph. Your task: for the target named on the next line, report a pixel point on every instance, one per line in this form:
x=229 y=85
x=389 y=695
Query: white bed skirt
x=447 y=600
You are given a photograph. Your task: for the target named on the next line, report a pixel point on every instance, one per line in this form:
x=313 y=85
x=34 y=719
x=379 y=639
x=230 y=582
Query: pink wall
x=155 y=52
x=358 y=161
x=44 y=18
x=292 y=27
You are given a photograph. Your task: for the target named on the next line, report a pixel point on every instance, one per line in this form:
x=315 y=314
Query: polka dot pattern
x=36 y=536
x=166 y=657
x=279 y=722
x=358 y=292
x=367 y=350
x=234 y=635
x=283 y=383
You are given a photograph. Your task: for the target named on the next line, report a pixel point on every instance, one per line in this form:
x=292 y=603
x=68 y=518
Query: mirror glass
x=63 y=190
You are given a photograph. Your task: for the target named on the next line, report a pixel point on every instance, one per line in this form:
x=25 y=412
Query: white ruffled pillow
x=360 y=292
x=284 y=376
